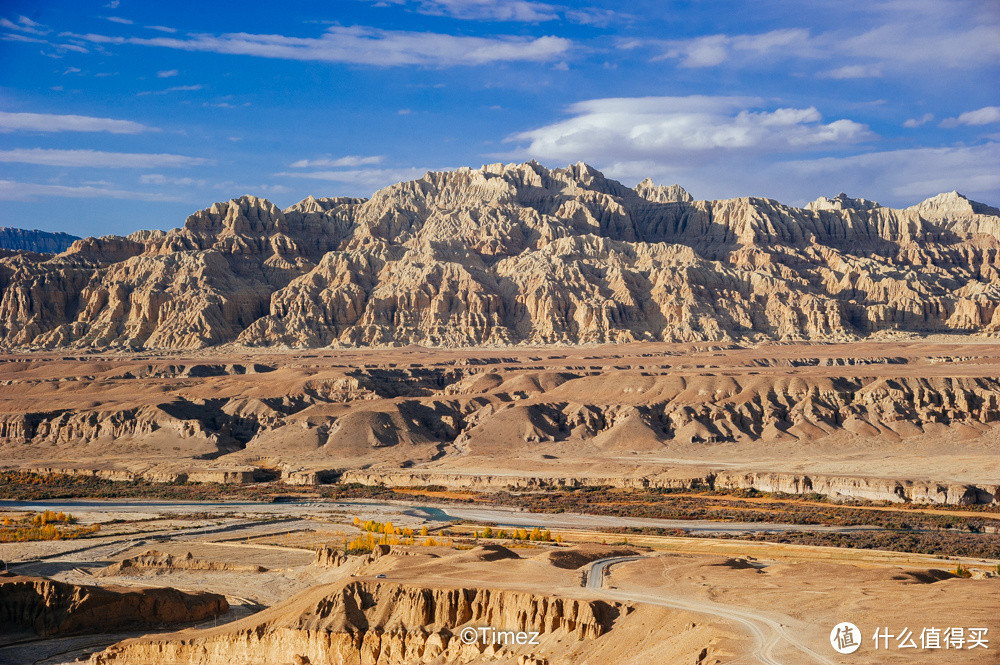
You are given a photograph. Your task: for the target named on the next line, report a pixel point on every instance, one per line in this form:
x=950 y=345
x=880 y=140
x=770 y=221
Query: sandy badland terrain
x=893 y=421
x=508 y=327
x=683 y=601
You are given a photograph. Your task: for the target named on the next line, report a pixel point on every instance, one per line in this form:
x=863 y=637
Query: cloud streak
x=47 y=122
x=369 y=179
x=326 y=162
x=97 y=158
x=11 y=190
x=362 y=46
x=950 y=35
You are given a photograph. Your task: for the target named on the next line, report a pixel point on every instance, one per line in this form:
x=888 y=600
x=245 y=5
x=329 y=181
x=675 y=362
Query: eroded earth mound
x=44 y=607
x=372 y=623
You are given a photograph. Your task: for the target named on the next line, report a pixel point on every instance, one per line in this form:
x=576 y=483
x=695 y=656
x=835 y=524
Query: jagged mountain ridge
x=31 y=240
x=511 y=254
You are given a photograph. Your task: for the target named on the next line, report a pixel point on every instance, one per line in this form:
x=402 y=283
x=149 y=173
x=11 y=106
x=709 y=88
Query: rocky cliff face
x=383 y=624
x=41 y=242
x=47 y=607
x=511 y=254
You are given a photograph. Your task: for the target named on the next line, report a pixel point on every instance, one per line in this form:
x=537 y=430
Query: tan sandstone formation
x=48 y=608
x=514 y=253
x=727 y=416
x=153 y=561
x=374 y=623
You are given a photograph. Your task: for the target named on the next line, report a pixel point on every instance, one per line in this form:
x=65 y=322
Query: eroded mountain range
x=512 y=254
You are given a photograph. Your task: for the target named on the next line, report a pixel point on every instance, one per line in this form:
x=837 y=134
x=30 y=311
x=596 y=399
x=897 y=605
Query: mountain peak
x=952 y=204
x=650 y=191
x=30 y=240
x=842 y=202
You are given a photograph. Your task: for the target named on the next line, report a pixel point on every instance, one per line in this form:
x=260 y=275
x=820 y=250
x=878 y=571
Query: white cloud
x=160 y=179
x=24 y=24
x=119 y=19
x=365 y=46
x=11 y=190
x=712 y=50
x=491 y=10
x=238 y=189
x=348 y=160
x=97 y=158
x=917 y=122
x=910 y=37
x=161 y=28
x=524 y=11
x=166 y=73
x=898 y=178
x=10 y=37
x=905 y=175
x=47 y=122
x=984 y=116
x=853 y=72
x=369 y=179
x=176 y=88
x=689 y=128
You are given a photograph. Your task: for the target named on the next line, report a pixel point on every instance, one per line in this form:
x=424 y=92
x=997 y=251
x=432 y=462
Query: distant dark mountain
x=35 y=241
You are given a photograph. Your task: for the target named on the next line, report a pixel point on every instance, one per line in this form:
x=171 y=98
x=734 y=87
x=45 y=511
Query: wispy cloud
x=363 y=46
x=161 y=28
x=329 y=162
x=712 y=50
x=895 y=177
x=984 y=116
x=490 y=10
x=917 y=122
x=688 y=128
x=160 y=179
x=907 y=175
x=238 y=189
x=97 y=158
x=47 y=122
x=119 y=19
x=903 y=37
x=166 y=73
x=24 y=24
x=11 y=190
x=176 y=88
x=522 y=11
x=853 y=72
x=367 y=180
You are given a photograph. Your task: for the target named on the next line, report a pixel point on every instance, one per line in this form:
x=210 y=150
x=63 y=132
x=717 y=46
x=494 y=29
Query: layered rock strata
x=372 y=623
x=48 y=608
x=510 y=254
x=834 y=487
x=153 y=561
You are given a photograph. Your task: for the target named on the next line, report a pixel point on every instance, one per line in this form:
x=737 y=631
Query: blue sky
x=120 y=115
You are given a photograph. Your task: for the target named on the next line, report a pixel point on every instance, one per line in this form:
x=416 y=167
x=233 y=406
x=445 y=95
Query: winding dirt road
x=769 y=636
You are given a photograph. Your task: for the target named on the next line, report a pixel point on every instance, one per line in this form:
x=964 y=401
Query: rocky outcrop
x=41 y=242
x=330 y=557
x=47 y=608
x=153 y=561
x=385 y=624
x=834 y=487
x=510 y=254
